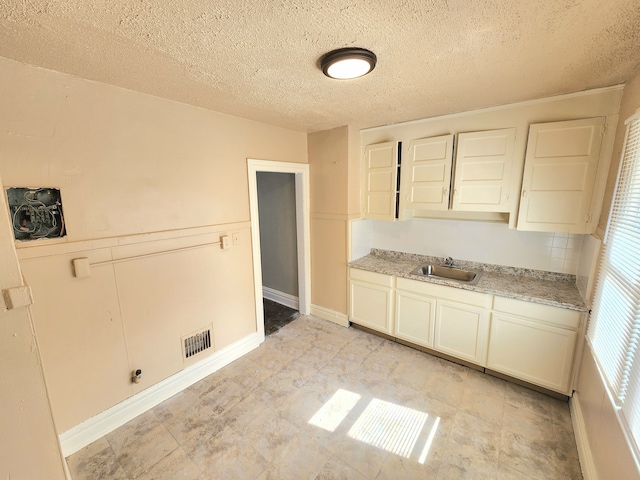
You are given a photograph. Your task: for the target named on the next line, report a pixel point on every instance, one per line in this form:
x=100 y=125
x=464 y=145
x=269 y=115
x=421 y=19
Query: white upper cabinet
x=482 y=175
x=426 y=173
x=486 y=160
x=381 y=180
x=559 y=176
x=483 y=171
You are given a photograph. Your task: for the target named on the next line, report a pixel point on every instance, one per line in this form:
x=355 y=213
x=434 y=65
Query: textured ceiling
x=258 y=59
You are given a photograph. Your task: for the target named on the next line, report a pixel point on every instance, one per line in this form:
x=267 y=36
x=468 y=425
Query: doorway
x=299 y=173
x=278 y=247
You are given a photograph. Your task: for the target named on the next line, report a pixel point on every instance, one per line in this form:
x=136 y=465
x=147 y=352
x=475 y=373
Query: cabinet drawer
x=444 y=292
x=371 y=277
x=556 y=316
x=413 y=286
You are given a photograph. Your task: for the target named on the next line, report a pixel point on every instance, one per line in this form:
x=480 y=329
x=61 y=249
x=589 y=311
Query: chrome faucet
x=448 y=262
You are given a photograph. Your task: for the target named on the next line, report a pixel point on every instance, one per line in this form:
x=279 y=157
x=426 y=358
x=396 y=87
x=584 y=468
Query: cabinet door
x=427 y=173
x=483 y=171
x=371 y=306
x=381 y=179
x=461 y=331
x=559 y=176
x=414 y=318
x=537 y=353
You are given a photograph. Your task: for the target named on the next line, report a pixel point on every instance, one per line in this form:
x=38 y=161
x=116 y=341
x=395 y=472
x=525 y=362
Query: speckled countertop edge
x=547 y=288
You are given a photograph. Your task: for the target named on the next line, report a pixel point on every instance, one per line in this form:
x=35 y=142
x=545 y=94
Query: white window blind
x=614 y=330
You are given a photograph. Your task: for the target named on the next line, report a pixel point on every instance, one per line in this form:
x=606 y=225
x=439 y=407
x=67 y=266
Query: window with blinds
x=614 y=329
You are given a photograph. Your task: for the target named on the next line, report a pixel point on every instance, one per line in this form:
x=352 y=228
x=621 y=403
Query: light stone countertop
x=547 y=288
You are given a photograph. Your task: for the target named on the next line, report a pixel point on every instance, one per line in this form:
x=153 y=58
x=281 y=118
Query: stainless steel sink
x=470 y=277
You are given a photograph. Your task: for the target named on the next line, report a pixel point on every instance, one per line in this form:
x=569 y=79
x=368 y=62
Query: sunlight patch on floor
x=385 y=425
x=332 y=413
x=388 y=426
x=432 y=434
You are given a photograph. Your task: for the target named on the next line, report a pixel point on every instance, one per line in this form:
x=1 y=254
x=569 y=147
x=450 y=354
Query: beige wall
x=139 y=175
x=129 y=163
x=355 y=173
x=28 y=443
x=334 y=171
x=612 y=457
x=611 y=454
x=329 y=170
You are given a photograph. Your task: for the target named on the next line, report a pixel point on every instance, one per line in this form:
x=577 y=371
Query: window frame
x=613 y=332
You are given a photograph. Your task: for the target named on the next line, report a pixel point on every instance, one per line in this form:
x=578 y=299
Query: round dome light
x=348 y=63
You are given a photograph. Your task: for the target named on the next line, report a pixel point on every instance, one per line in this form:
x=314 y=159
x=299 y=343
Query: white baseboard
x=96 y=427
x=281 y=298
x=582 y=442
x=331 y=315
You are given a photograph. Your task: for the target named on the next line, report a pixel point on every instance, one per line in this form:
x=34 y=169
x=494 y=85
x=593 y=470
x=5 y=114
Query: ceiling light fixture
x=346 y=63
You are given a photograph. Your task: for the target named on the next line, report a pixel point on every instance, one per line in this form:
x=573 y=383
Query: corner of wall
x=605 y=451
x=354 y=173
x=585 y=455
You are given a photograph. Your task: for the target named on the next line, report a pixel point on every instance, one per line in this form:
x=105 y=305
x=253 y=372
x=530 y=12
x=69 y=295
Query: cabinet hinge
x=603 y=128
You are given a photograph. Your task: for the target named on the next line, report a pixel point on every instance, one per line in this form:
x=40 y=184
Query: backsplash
x=473 y=241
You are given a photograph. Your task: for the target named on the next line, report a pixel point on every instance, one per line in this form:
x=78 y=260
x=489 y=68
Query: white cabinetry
x=426 y=173
x=535 y=343
x=560 y=175
x=415 y=312
x=529 y=341
x=381 y=181
x=482 y=176
x=483 y=171
x=449 y=320
x=371 y=300
x=461 y=324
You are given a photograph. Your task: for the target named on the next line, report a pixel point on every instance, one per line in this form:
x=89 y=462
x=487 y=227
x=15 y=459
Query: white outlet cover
x=17 y=297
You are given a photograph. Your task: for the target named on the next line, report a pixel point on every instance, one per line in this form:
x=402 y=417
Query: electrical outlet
x=81 y=267
x=224 y=242
x=236 y=238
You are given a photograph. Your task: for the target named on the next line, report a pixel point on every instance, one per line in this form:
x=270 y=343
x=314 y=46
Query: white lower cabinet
x=449 y=320
x=415 y=313
x=462 y=323
x=535 y=343
x=371 y=300
x=528 y=341
x=461 y=331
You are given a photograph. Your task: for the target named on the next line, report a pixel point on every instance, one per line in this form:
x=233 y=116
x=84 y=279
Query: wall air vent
x=196 y=343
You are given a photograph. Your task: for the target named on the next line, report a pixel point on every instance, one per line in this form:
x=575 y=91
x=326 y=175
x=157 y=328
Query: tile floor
x=319 y=401
x=276 y=316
